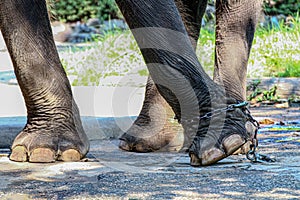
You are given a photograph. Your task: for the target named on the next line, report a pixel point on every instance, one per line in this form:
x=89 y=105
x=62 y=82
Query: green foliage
x=113 y=55
x=275 y=52
x=294 y=98
x=285 y=7
x=291 y=67
x=81 y=10
x=205 y=50
x=108 y=9
x=270 y=95
x=291 y=70
x=143 y=72
x=253 y=86
x=78 y=10
x=261 y=95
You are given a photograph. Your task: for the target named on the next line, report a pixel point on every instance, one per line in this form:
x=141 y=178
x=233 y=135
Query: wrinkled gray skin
x=53 y=130
x=235 y=28
x=167 y=33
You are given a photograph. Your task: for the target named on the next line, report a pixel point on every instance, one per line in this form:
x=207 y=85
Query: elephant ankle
x=220 y=133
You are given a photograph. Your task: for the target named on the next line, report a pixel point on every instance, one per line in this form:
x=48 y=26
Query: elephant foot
x=155 y=130
x=49 y=144
x=222 y=136
x=149 y=138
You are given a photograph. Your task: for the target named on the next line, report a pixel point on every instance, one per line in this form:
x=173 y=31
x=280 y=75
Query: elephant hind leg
x=155 y=128
x=236 y=22
x=235 y=27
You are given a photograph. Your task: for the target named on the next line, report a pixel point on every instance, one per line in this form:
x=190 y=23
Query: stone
x=111 y=25
x=61 y=31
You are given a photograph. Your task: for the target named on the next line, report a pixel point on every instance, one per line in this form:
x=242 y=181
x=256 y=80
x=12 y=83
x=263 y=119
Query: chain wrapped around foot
x=220 y=133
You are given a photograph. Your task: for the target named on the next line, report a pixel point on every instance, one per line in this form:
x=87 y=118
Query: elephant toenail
x=212 y=156
x=232 y=143
x=19 y=154
x=70 y=155
x=194 y=160
x=42 y=155
x=124 y=145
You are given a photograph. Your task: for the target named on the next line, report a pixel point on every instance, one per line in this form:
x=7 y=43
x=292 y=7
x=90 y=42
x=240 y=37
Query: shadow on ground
x=109 y=173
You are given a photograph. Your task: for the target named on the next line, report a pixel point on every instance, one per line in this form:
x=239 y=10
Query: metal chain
x=209 y=115
x=213 y=113
x=251 y=155
x=230 y=107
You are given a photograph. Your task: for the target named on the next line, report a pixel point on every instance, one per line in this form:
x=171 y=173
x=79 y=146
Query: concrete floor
x=109 y=173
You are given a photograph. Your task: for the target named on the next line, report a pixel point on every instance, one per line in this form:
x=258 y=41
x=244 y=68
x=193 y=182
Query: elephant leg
x=235 y=27
x=180 y=79
x=53 y=130
x=192 y=13
x=155 y=128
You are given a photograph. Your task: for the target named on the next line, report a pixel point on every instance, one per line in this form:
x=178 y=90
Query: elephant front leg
x=180 y=79
x=155 y=128
x=53 y=130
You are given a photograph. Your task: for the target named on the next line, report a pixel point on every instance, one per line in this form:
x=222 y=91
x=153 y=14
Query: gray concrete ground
x=109 y=173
